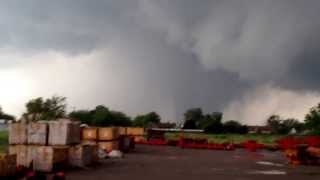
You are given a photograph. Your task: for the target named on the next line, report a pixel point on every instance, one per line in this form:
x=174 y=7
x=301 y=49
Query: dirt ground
x=161 y=162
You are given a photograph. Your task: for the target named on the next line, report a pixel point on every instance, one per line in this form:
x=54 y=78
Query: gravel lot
x=161 y=162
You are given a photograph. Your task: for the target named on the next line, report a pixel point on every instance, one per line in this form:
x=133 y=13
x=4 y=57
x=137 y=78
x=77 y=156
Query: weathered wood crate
x=90 y=134
x=122 y=131
x=64 y=132
x=108 y=134
x=50 y=158
x=38 y=133
x=94 y=145
x=109 y=146
x=8 y=165
x=133 y=131
x=18 y=133
x=23 y=154
x=82 y=155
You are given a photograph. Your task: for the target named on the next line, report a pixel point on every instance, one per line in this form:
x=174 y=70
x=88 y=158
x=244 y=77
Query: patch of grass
x=3 y=141
x=229 y=138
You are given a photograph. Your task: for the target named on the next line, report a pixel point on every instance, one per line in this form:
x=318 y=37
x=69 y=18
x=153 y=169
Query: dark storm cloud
x=303 y=72
x=166 y=55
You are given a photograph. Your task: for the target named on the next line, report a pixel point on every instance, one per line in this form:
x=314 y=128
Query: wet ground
x=161 y=162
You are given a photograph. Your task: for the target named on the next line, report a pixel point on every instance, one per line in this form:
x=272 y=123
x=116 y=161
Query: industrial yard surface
x=163 y=162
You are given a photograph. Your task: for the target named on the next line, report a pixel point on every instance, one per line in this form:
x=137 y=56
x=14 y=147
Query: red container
x=312 y=141
x=253 y=146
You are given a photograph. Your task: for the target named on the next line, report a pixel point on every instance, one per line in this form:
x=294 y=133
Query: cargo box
x=8 y=165
x=90 y=134
x=131 y=131
x=122 y=131
x=23 y=154
x=38 y=133
x=108 y=134
x=109 y=146
x=51 y=158
x=82 y=155
x=64 y=132
x=17 y=133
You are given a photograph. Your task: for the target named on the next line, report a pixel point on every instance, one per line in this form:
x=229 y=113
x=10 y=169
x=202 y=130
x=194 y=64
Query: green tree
x=192 y=118
x=101 y=116
x=284 y=126
x=312 y=120
x=298 y=126
x=274 y=123
x=84 y=116
x=5 y=115
x=120 y=119
x=234 y=127
x=289 y=124
x=212 y=123
x=49 y=109
x=54 y=108
x=147 y=119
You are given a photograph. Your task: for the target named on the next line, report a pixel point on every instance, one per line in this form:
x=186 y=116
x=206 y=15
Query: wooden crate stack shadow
x=48 y=146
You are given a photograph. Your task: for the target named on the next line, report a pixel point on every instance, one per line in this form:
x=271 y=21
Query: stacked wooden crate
x=45 y=146
x=123 y=131
x=18 y=139
x=18 y=133
x=106 y=139
x=82 y=155
x=89 y=135
x=54 y=154
x=137 y=133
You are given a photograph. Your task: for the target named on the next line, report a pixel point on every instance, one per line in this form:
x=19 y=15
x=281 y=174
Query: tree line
x=211 y=123
x=55 y=107
x=5 y=116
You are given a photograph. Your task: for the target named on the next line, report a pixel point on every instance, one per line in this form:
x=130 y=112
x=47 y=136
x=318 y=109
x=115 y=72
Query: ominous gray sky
x=248 y=58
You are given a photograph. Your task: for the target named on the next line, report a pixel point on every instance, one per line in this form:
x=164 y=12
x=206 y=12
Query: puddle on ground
x=266 y=163
x=269 y=172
